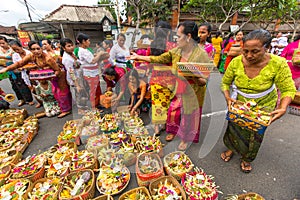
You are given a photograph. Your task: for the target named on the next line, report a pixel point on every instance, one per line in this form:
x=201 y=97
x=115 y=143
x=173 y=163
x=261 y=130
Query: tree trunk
x=136 y=28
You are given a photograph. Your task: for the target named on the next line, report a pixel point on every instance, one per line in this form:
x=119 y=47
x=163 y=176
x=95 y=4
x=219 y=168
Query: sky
x=14 y=12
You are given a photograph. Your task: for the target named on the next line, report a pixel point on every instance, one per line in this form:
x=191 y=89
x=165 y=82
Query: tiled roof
x=74 y=13
x=10 y=30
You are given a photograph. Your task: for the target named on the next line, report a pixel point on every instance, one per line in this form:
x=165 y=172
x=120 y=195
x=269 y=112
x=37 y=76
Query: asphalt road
x=276 y=171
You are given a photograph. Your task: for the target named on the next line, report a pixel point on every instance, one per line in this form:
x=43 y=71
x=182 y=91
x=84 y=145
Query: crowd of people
x=145 y=78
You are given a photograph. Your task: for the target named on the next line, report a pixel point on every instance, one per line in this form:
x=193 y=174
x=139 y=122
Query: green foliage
x=110 y=8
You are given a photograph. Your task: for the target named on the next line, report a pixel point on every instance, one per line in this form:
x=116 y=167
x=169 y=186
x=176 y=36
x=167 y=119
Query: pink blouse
x=287 y=53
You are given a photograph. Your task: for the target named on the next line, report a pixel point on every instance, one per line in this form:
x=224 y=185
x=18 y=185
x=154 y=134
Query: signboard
x=24 y=38
x=234 y=28
x=106 y=26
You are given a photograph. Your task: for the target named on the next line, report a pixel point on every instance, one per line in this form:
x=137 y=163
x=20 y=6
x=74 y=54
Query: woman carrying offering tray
x=253 y=76
x=45 y=68
x=186 y=112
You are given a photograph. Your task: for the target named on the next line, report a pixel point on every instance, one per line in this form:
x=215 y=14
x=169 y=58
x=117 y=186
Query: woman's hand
x=133 y=56
x=229 y=101
x=3 y=70
x=202 y=81
x=57 y=73
x=277 y=114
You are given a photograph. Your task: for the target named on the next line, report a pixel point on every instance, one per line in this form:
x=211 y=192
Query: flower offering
x=29 y=166
x=76 y=184
x=252 y=110
x=113 y=178
x=200 y=186
x=14 y=189
x=118 y=137
x=82 y=159
x=45 y=190
x=148 y=144
x=166 y=190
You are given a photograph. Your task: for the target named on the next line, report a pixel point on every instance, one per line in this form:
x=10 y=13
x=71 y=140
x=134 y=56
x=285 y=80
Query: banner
x=24 y=38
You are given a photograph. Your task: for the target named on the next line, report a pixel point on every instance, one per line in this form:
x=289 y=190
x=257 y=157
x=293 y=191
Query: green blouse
x=276 y=71
x=193 y=90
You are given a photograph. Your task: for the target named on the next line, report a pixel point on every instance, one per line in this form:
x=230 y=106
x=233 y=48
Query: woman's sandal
x=63 y=114
x=21 y=103
x=226 y=155
x=170 y=137
x=245 y=167
x=182 y=146
x=31 y=103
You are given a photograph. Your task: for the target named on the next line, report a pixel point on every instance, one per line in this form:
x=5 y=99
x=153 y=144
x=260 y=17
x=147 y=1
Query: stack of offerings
x=294 y=107
x=16 y=131
x=70 y=132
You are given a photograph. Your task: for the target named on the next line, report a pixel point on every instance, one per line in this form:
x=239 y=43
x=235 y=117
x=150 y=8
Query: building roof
x=74 y=13
x=10 y=30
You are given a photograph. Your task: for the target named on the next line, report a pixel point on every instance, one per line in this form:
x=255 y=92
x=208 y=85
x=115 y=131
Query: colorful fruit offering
x=148 y=144
x=166 y=190
x=137 y=194
x=149 y=164
x=58 y=169
x=82 y=159
x=118 y=137
x=76 y=184
x=109 y=126
x=252 y=110
x=112 y=179
x=29 y=166
x=178 y=162
x=14 y=189
x=45 y=190
x=200 y=186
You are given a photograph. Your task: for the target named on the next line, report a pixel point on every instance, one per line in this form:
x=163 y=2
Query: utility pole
x=28 y=10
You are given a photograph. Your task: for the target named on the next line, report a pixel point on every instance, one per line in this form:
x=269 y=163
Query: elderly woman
x=189 y=91
x=255 y=75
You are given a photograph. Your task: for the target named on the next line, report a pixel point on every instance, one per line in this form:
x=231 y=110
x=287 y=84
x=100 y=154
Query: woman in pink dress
x=204 y=33
x=287 y=53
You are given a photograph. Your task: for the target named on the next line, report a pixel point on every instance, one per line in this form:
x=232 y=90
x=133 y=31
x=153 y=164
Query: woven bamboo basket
x=95 y=149
x=17 y=156
x=42 y=180
x=89 y=193
x=112 y=194
x=170 y=171
x=104 y=197
x=140 y=149
x=5 y=171
x=22 y=147
x=135 y=190
x=250 y=194
x=154 y=185
x=62 y=174
x=145 y=179
x=38 y=175
x=15 y=181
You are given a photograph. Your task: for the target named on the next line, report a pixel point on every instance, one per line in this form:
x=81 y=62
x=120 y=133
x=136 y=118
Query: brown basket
x=250 y=194
x=54 y=196
x=171 y=172
x=63 y=174
x=16 y=158
x=38 y=175
x=25 y=195
x=6 y=171
x=171 y=179
x=145 y=179
x=23 y=146
x=103 y=197
x=90 y=192
x=195 y=69
x=143 y=189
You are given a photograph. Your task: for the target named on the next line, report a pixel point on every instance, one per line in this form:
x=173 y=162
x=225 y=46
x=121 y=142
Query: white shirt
x=68 y=62
x=85 y=58
x=118 y=53
x=16 y=58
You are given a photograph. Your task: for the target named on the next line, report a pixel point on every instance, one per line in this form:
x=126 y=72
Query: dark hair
x=218 y=33
x=166 y=26
x=32 y=42
x=81 y=37
x=145 y=36
x=190 y=27
x=158 y=45
x=259 y=34
x=135 y=74
x=4 y=38
x=15 y=42
x=108 y=42
x=48 y=41
x=121 y=35
x=297 y=37
x=209 y=28
x=110 y=71
x=63 y=42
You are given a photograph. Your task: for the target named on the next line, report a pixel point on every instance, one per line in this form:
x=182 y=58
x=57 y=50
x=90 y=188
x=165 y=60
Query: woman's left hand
x=277 y=114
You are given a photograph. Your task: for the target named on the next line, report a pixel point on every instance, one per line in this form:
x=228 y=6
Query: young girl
x=138 y=90
x=74 y=74
x=44 y=91
x=204 y=34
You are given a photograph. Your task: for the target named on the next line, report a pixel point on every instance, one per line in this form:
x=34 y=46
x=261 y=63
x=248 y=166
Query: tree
x=110 y=7
x=147 y=12
x=219 y=11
